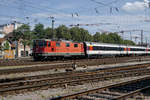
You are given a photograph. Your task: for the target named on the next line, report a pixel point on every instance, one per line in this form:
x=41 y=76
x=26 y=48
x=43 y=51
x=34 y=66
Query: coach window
x=67 y=45
x=57 y=44
x=75 y=45
x=49 y=44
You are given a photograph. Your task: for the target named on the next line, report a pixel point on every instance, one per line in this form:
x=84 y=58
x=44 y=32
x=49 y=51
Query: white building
x=8 y=28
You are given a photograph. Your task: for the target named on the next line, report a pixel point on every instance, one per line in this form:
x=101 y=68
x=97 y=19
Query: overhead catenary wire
x=23 y=8
x=45 y=8
x=106 y=5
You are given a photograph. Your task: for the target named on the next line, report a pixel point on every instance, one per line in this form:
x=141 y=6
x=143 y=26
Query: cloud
x=135 y=6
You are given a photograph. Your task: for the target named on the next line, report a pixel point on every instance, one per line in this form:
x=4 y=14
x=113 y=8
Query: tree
x=114 y=38
x=84 y=34
x=62 y=32
x=104 y=38
x=39 y=31
x=80 y=34
x=6 y=46
x=49 y=33
x=128 y=42
x=96 y=37
x=75 y=33
x=24 y=34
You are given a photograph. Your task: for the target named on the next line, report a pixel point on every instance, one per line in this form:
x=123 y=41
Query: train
x=58 y=49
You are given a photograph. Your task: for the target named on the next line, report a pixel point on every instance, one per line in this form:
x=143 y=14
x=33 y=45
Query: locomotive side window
x=67 y=45
x=57 y=44
x=49 y=44
x=75 y=45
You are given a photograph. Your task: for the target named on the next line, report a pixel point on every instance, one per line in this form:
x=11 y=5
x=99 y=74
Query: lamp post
x=52 y=18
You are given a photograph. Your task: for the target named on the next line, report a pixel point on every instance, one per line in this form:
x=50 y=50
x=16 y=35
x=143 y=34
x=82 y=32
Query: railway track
x=34 y=68
x=82 y=72
x=119 y=91
x=92 y=61
x=72 y=78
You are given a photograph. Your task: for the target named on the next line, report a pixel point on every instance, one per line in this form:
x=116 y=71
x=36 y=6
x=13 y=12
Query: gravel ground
x=46 y=94
x=50 y=93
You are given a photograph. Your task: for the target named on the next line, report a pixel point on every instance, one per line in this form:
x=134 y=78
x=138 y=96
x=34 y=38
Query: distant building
x=8 y=28
x=21 y=49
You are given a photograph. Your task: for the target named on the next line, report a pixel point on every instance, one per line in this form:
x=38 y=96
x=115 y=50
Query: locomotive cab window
x=75 y=45
x=57 y=44
x=49 y=44
x=42 y=43
x=67 y=44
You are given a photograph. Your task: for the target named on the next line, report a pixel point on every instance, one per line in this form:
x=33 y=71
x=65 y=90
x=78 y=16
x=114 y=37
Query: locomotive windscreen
x=39 y=43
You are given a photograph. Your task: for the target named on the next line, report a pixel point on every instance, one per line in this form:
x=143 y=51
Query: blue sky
x=121 y=14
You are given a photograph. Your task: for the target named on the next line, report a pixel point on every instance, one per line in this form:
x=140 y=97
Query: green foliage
x=63 y=32
x=24 y=34
x=80 y=34
x=75 y=33
x=48 y=33
x=6 y=46
x=96 y=37
x=128 y=42
x=39 y=31
x=112 y=38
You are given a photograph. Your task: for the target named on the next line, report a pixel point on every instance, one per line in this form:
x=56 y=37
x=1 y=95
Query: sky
x=100 y=15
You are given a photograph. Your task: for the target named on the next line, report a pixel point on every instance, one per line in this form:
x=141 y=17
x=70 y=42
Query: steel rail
x=71 y=96
x=81 y=75
x=100 y=61
x=57 y=83
x=109 y=69
x=133 y=93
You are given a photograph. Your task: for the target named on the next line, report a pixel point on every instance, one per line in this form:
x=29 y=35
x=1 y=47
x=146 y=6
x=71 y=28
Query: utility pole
x=135 y=38
x=53 y=36
x=16 y=56
x=146 y=41
x=130 y=36
x=122 y=34
x=141 y=37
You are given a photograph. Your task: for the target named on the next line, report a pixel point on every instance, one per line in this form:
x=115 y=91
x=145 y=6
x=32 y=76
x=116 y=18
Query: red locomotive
x=45 y=48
